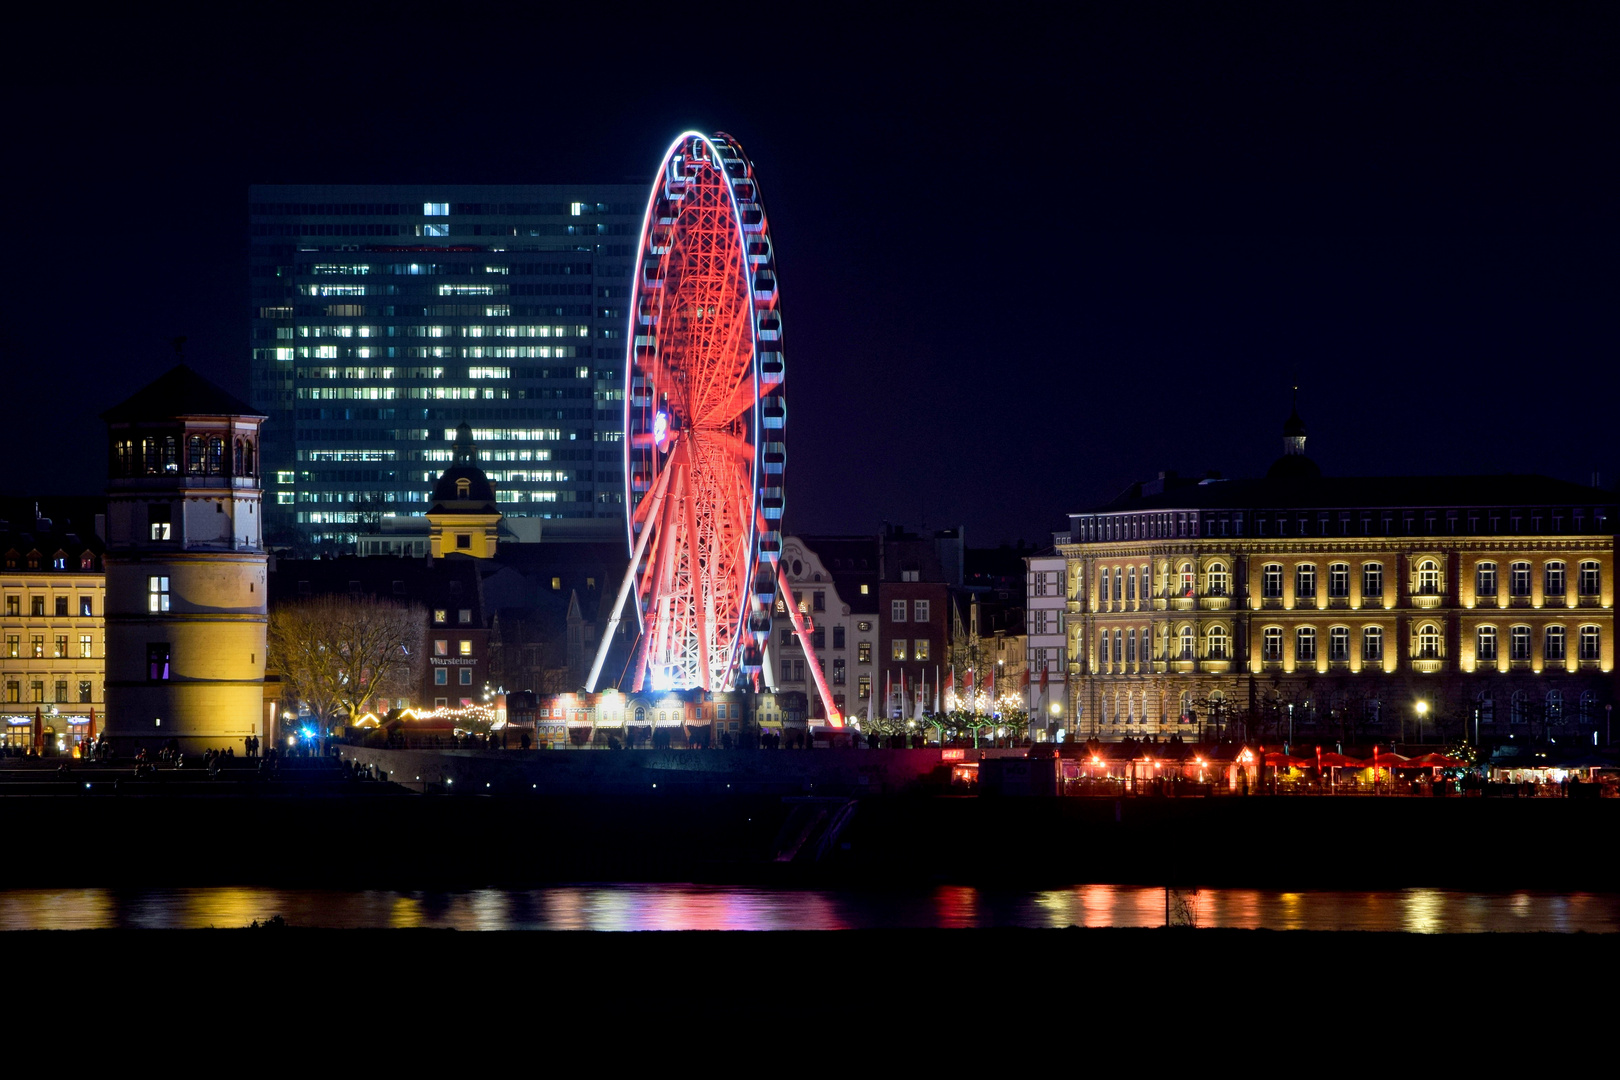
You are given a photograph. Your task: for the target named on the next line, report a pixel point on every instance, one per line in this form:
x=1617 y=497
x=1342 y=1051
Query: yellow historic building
x=53 y=659
x=1316 y=608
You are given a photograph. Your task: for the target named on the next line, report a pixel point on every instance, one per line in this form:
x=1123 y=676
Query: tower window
x=157 y=661
x=157 y=594
x=463 y=540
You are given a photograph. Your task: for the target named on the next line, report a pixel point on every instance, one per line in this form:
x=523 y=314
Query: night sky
x=1022 y=262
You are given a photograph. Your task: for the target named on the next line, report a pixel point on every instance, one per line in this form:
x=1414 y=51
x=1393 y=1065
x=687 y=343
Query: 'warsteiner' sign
x=441 y=661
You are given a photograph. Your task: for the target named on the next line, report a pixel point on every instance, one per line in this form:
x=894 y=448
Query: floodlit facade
x=1305 y=608
x=382 y=316
x=185 y=568
x=52 y=646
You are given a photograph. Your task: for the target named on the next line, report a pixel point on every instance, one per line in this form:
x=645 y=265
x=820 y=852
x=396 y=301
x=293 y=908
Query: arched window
x=247 y=458
x=1591 y=580
x=1102 y=586
x=1220 y=580
x=1305 y=645
x=1428 y=642
x=1555 y=579
x=1485 y=645
x=1372 y=645
x=1555 y=706
x=1519 y=578
x=1186 y=585
x=1485 y=703
x=1588 y=707
x=1186 y=707
x=1485 y=579
x=216 y=455
x=1338 y=580
x=1119 y=647
x=236 y=459
x=1130 y=645
x=1519 y=643
x=1130 y=707
x=1428 y=578
x=171 y=454
x=641 y=714
x=1119 y=584
x=1217 y=705
x=1339 y=644
x=1591 y=643
x=1516 y=707
x=1271 y=579
x=1553 y=648
x=1372 y=582
x=196 y=462
x=1186 y=643
x=1130 y=585
x=1271 y=643
x=1147 y=582
x=1305 y=582
x=1219 y=643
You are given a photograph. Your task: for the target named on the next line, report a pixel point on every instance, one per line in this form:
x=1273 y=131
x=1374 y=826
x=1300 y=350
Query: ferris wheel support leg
x=625 y=585
x=834 y=717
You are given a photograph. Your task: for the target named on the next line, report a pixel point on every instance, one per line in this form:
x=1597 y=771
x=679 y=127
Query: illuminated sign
x=957 y=754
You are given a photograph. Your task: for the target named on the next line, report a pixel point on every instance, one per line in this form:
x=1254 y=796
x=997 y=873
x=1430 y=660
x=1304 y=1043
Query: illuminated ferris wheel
x=704 y=425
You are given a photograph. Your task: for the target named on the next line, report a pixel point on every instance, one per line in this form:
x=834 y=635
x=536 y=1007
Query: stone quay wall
x=551 y=772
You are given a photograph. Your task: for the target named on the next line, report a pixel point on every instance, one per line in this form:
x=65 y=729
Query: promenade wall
x=560 y=772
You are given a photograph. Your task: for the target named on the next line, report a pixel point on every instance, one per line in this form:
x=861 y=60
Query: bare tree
x=338 y=654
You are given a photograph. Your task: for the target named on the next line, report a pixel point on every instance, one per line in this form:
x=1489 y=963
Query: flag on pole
x=990 y=687
x=936 y=688
x=950 y=688
x=871 y=695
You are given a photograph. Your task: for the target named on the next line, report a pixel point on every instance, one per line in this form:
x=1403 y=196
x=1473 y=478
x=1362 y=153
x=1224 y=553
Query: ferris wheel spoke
x=694 y=373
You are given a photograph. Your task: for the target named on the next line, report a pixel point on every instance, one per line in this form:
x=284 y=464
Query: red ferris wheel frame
x=704 y=425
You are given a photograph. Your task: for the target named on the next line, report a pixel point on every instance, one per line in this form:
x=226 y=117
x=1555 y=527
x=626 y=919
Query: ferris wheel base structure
x=705 y=425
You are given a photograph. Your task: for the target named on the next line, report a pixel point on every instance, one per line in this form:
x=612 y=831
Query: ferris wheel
x=704 y=426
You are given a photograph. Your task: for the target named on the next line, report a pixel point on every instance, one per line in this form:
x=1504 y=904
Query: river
x=698 y=907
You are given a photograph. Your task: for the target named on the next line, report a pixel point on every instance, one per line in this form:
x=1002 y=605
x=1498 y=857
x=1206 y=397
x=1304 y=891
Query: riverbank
x=353 y=839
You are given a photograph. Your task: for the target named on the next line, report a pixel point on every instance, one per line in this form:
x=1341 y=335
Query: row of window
x=155 y=455
x=36 y=690
x=59 y=647
x=1131 y=706
x=1120 y=583
x=60 y=605
x=34 y=560
x=1427 y=640
x=1325 y=523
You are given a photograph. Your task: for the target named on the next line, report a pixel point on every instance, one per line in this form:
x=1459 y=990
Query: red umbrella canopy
x=1342 y=761
x=1424 y=761
x=1278 y=759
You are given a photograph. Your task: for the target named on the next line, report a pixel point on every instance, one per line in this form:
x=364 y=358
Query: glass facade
x=383 y=316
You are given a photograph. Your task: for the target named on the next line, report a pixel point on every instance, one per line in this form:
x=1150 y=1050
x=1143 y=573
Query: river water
x=699 y=907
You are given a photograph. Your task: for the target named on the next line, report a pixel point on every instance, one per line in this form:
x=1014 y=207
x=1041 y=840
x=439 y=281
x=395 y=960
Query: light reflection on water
x=697 y=907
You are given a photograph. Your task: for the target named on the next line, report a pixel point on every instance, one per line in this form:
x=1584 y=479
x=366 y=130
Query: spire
x=464 y=450
x=1294 y=429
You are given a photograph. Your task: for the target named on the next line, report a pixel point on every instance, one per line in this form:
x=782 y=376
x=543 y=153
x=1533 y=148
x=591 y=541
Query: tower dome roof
x=463 y=488
x=179 y=392
x=1293 y=426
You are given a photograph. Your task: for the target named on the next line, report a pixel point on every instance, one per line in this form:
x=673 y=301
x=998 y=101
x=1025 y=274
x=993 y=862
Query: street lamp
x=1422 y=707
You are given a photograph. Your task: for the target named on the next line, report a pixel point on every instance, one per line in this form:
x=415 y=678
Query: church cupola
x=1294 y=465
x=463 y=517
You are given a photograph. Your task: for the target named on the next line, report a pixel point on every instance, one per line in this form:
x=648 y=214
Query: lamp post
x=1422 y=707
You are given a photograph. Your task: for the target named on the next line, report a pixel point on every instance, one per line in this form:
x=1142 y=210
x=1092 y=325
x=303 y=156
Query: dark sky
x=1022 y=262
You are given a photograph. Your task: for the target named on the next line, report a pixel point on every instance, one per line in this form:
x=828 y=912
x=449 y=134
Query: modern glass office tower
x=383 y=316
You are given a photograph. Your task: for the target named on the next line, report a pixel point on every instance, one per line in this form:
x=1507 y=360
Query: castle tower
x=463 y=519
x=185 y=567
